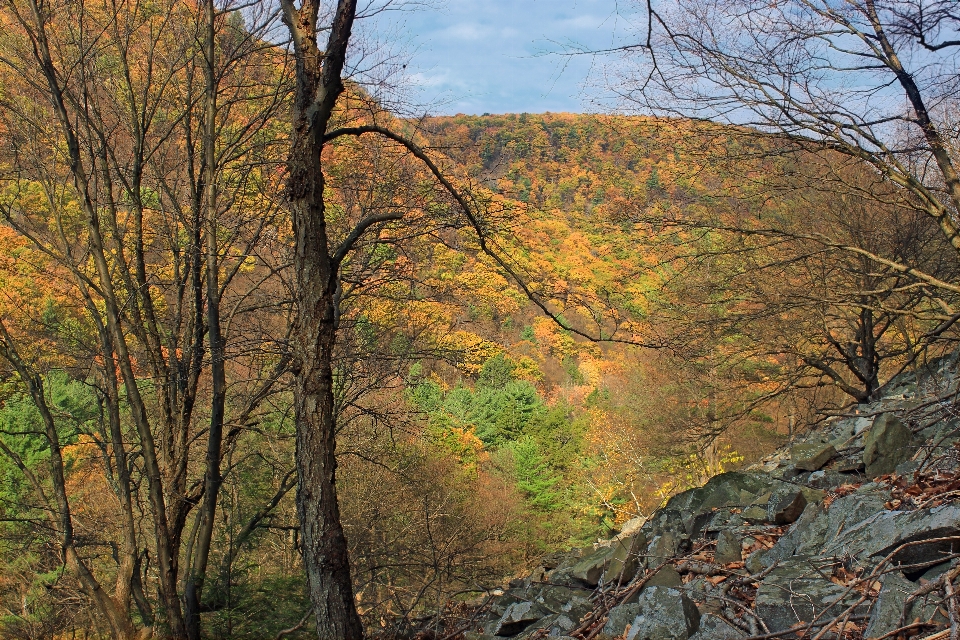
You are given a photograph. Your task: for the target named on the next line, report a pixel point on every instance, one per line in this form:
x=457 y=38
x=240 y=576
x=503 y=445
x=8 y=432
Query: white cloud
x=469 y=31
x=475 y=56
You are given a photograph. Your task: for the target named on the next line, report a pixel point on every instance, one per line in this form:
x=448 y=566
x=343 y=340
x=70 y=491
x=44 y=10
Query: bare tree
x=146 y=133
x=773 y=281
x=875 y=80
x=325 y=248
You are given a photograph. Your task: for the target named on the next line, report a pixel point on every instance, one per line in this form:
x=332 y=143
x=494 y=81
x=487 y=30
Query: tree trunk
x=318 y=86
x=212 y=478
x=324 y=545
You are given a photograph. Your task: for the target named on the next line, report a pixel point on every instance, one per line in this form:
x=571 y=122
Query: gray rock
x=665 y=614
x=906 y=468
x=827 y=480
x=881 y=533
x=788 y=472
x=729 y=547
x=935 y=572
x=885 y=616
x=755 y=514
x=546 y=622
x=560 y=566
x=518 y=617
x=813 y=496
x=734 y=488
x=786 y=506
x=886 y=612
x=621 y=565
x=590 y=568
x=615 y=562
x=500 y=604
x=631 y=526
x=848 y=464
x=665 y=531
x=818 y=526
x=757 y=561
x=716 y=628
x=619 y=617
x=714 y=521
x=810 y=456
x=796 y=592
x=697 y=590
x=666 y=577
x=860 y=425
x=730 y=489
x=887 y=444
x=560 y=599
x=563 y=625
x=942 y=434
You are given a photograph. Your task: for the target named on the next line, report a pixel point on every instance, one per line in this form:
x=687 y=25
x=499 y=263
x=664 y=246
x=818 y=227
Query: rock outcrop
x=853 y=532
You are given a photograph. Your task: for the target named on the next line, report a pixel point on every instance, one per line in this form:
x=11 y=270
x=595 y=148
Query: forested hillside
x=408 y=356
x=494 y=428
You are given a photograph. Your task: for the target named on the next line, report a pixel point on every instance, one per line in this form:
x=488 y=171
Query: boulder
x=666 y=532
x=734 y=488
x=827 y=480
x=907 y=468
x=729 y=547
x=934 y=572
x=665 y=614
x=755 y=514
x=518 y=617
x=881 y=533
x=788 y=473
x=757 y=561
x=716 y=628
x=616 y=562
x=619 y=617
x=666 y=577
x=561 y=626
x=819 y=525
x=621 y=566
x=887 y=444
x=556 y=625
x=796 y=592
x=730 y=489
x=500 y=604
x=564 y=600
x=631 y=526
x=849 y=464
x=589 y=569
x=888 y=609
x=786 y=506
x=713 y=521
x=811 y=456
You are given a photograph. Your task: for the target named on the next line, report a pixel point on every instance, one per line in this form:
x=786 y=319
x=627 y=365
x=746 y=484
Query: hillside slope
x=851 y=532
x=578 y=186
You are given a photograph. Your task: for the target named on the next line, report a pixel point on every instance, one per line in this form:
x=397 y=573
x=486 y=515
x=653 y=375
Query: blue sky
x=478 y=56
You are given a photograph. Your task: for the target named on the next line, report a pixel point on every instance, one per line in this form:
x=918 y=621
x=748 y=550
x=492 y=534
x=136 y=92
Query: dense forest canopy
x=501 y=335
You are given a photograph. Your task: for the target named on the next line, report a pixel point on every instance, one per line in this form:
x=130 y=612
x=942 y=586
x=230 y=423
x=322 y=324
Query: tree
x=764 y=286
x=325 y=241
x=136 y=147
x=855 y=101
x=871 y=79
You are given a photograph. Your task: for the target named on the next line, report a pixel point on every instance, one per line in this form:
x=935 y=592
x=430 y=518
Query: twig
x=292 y=630
x=909 y=627
x=951 y=609
x=601 y=611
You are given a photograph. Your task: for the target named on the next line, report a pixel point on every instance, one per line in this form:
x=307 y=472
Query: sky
x=500 y=56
